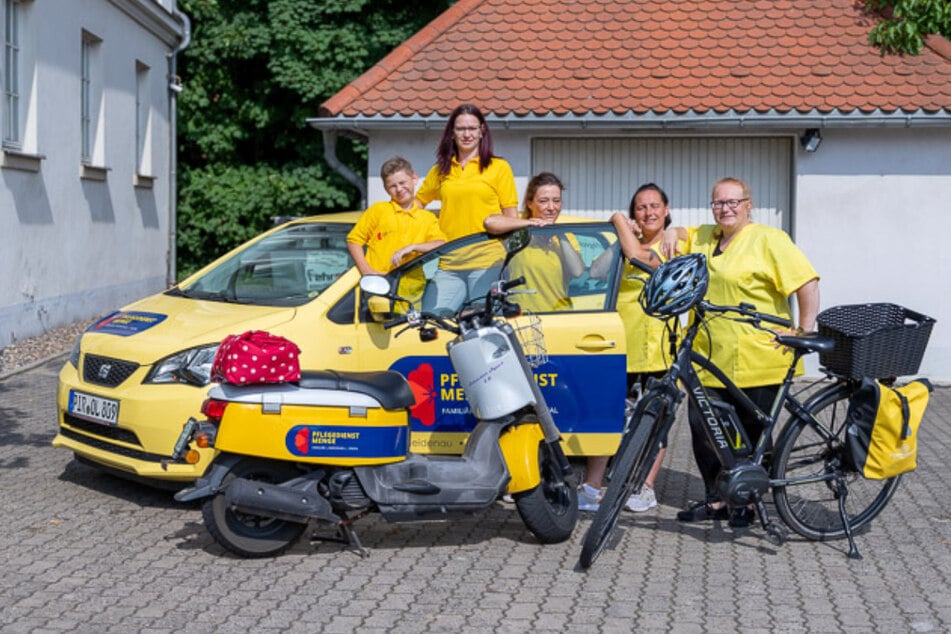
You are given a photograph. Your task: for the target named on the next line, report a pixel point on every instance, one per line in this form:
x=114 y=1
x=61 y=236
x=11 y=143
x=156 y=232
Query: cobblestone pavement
x=85 y=552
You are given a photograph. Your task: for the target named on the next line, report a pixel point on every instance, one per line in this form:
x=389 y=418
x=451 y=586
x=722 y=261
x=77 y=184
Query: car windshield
x=287 y=268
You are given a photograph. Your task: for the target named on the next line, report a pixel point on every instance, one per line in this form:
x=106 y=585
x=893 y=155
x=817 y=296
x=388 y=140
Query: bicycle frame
x=726 y=436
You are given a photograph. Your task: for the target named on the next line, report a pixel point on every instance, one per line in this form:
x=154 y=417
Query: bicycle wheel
x=631 y=466
x=806 y=452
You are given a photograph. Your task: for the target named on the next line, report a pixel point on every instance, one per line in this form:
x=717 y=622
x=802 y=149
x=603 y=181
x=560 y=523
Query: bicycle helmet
x=676 y=286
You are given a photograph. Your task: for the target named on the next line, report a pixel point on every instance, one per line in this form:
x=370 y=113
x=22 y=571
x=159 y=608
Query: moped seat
x=388 y=387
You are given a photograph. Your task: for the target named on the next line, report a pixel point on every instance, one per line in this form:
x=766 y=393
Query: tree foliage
x=906 y=22
x=254 y=72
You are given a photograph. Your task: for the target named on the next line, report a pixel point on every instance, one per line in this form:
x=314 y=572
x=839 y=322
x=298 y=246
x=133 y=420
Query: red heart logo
x=300 y=440
x=424 y=389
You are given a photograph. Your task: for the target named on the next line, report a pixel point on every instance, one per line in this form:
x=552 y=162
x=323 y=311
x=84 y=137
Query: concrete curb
x=35 y=364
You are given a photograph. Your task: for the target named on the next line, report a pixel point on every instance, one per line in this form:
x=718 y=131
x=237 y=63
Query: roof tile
x=662 y=56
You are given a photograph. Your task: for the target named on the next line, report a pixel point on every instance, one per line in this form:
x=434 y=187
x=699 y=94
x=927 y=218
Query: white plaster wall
x=873 y=213
x=80 y=248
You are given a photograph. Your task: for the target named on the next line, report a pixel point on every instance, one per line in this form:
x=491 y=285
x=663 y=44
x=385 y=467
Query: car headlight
x=192 y=366
x=74 y=353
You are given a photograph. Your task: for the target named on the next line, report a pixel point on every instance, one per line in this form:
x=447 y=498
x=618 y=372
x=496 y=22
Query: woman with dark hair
x=549 y=263
x=640 y=235
x=472 y=184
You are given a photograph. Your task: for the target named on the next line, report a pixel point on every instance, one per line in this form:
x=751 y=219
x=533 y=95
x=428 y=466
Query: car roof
x=342 y=217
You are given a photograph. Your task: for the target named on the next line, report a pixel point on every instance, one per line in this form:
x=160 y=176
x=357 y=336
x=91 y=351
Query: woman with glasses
x=758 y=265
x=472 y=184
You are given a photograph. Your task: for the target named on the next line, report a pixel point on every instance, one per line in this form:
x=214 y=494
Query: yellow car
x=135 y=377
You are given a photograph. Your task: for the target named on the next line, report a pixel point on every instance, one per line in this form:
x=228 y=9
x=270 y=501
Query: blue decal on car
x=126 y=322
x=585 y=394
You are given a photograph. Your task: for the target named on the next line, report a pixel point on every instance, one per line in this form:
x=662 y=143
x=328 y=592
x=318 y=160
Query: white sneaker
x=644 y=500
x=588 y=498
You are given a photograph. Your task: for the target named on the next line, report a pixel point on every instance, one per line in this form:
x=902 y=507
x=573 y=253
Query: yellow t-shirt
x=647 y=344
x=762 y=267
x=385 y=227
x=469 y=196
x=541 y=265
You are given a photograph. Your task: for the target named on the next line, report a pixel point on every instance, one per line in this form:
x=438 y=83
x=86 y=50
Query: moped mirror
x=516 y=241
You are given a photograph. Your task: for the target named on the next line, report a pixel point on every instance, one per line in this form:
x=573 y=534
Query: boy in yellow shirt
x=393 y=230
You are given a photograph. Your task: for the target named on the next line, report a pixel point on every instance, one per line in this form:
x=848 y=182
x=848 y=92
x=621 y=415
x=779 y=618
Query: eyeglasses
x=732 y=203
x=464 y=130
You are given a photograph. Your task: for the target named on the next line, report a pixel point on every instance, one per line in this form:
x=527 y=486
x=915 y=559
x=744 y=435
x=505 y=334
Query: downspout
x=330 y=155
x=174 y=87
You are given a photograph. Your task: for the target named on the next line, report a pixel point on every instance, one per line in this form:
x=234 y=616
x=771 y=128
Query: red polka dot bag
x=254 y=357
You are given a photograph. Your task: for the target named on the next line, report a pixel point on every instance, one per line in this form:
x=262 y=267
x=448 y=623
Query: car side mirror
x=378 y=297
x=375 y=285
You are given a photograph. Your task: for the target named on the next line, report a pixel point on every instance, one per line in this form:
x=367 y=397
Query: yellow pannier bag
x=882 y=427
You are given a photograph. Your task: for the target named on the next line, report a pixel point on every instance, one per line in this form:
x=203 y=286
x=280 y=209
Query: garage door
x=601 y=174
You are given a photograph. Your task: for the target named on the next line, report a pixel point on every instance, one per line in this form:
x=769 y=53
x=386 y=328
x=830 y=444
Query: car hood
x=157 y=326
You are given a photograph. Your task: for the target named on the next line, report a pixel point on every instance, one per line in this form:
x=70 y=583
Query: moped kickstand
x=344 y=534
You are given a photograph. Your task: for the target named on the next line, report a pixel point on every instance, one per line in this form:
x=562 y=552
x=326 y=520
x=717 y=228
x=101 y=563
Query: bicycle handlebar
x=747 y=310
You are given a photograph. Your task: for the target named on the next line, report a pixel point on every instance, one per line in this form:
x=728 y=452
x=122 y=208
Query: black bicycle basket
x=875 y=340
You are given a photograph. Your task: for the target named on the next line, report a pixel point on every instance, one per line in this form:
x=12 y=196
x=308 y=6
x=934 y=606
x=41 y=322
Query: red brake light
x=214 y=409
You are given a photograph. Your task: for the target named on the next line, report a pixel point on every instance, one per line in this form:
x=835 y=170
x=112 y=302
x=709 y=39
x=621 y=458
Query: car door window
x=411 y=280
x=550 y=263
x=549 y=288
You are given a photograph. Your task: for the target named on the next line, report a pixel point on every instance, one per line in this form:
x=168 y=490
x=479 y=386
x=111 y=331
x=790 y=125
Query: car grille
x=111 y=448
x=98 y=429
x=105 y=371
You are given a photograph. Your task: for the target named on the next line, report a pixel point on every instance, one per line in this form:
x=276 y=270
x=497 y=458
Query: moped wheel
x=550 y=510
x=248 y=535
x=630 y=469
x=805 y=454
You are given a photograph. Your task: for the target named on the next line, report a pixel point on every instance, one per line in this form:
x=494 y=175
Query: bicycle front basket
x=874 y=340
x=532 y=338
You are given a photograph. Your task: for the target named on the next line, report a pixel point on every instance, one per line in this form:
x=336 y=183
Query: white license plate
x=95 y=408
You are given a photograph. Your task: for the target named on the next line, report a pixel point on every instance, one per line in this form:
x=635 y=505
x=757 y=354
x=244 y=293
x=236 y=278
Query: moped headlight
x=192 y=366
x=74 y=353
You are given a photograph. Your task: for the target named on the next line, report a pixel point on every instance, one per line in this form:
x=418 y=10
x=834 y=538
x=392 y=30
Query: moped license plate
x=94 y=408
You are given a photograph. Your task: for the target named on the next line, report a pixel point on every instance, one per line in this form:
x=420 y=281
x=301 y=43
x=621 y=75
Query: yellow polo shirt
x=647 y=345
x=762 y=267
x=385 y=227
x=469 y=196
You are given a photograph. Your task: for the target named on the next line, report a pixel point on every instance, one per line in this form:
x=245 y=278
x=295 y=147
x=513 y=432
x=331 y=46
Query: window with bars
x=12 y=133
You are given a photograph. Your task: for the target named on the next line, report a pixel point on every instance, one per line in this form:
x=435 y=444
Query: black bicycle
x=816 y=491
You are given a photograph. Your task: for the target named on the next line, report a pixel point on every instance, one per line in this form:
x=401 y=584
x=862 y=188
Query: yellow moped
x=334 y=446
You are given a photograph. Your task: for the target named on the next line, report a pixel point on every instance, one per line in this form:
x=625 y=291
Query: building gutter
x=362 y=126
x=174 y=87
x=330 y=155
